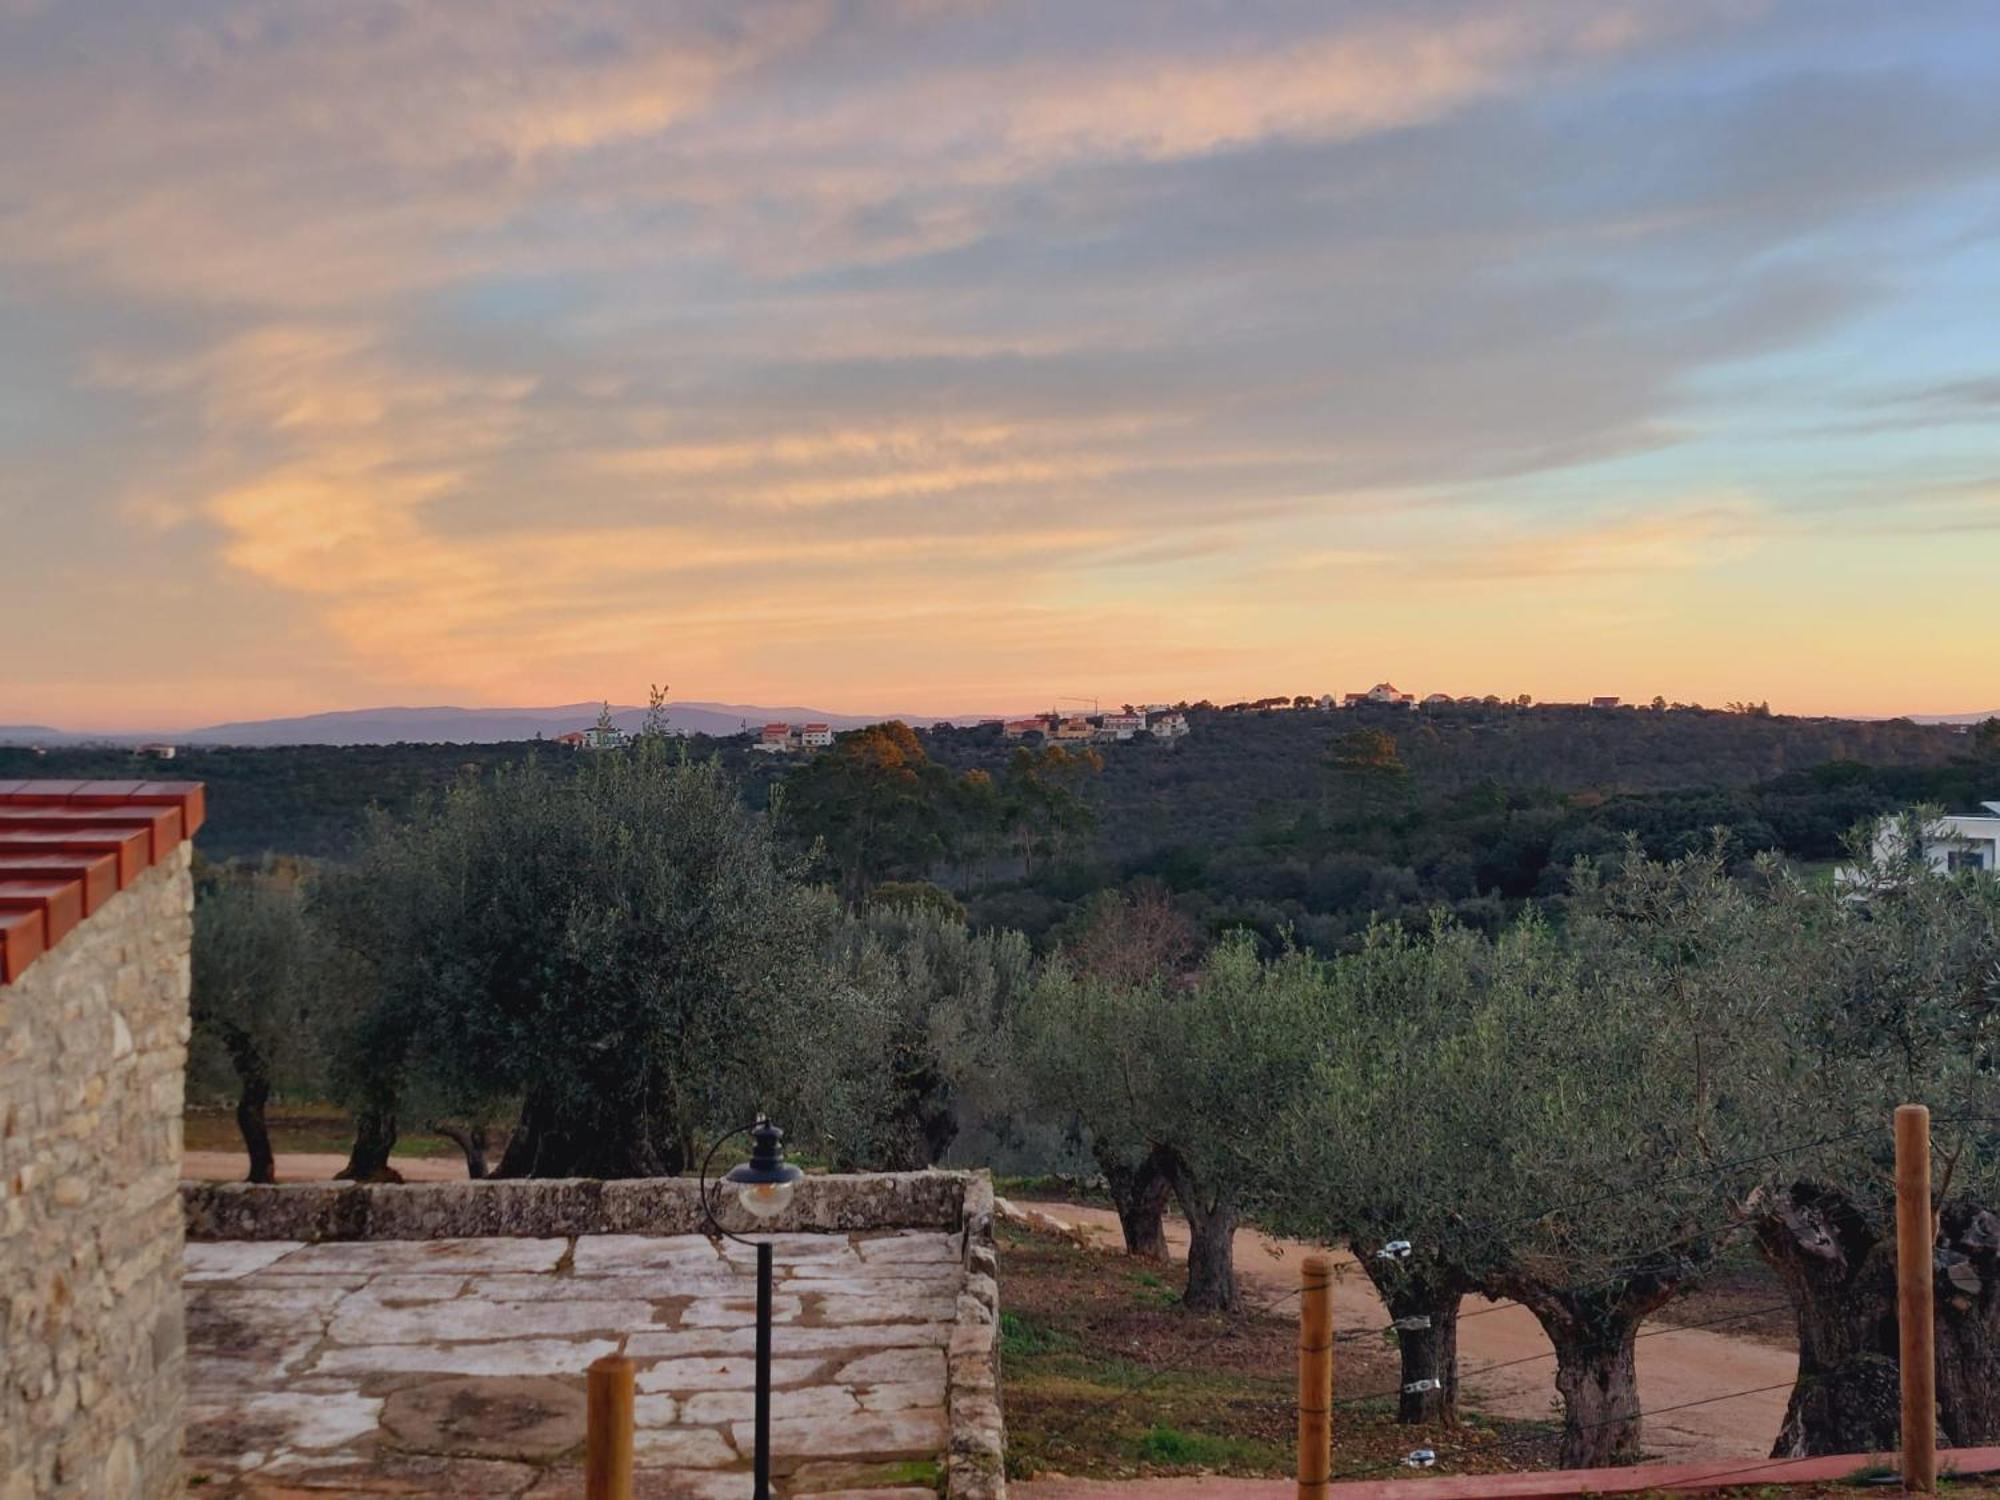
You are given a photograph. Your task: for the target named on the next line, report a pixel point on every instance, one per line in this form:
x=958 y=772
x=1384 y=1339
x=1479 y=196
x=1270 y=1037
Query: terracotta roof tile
x=161 y=824
x=59 y=901
x=98 y=873
x=66 y=847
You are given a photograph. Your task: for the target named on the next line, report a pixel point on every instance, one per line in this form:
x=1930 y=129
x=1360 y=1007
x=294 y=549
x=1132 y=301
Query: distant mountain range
x=461 y=726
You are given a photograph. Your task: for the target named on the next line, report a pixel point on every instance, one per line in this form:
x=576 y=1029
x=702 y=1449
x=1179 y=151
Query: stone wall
x=93 y=1050
x=531 y=1208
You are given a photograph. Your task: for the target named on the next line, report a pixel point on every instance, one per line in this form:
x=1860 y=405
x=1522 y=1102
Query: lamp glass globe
x=765 y=1199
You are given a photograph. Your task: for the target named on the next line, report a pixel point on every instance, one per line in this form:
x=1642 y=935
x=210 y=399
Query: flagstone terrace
x=351 y=1340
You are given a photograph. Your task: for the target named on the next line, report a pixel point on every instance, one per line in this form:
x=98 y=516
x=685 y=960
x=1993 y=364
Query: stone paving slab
x=455 y=1367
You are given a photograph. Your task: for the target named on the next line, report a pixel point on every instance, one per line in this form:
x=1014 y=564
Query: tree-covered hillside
x=1302 y=822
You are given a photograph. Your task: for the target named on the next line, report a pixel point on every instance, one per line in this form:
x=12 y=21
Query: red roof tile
x=161 y=824
x=98 y=873
x=66 y=847
x=59 y=901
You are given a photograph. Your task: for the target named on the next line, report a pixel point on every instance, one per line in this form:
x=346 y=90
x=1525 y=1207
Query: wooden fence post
x=607 y=1445
x=1915 y=1238
x=1315 y=1376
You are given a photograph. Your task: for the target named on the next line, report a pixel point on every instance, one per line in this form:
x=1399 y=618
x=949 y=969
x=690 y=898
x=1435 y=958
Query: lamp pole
x=764 y=1186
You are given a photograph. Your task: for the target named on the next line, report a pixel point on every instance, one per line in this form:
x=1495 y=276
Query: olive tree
x=1128 y=938
x=254 y=988
x=1538 y=1118
x=622 y=956
x=1185 y=1071
x=1600 y=1058
x=1373 y=1153
x=943 y=994
x=1891 y=995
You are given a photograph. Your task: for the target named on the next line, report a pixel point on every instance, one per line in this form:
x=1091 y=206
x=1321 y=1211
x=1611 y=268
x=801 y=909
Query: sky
x=952 y=356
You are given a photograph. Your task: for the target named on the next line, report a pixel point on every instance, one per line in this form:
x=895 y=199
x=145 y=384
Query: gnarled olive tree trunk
x=1420 y=1290
x=474 y=1141
x=253 y=1094
x=1838 y=1264
x=374 y=1139
x=1139 y=1192
x=1967 y=1283
x=1838 y=1261
x=1596 y=1373
x=1211 y=1213
x=547 y=1143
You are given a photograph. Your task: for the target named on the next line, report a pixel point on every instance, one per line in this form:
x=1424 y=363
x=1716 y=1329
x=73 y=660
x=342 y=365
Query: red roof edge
x=67 y=846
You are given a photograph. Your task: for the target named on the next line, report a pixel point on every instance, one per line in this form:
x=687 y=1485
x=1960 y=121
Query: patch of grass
x=1022 y=1337
x=1169 y=1445
x=923 y=1471
x=1057 y=1185
x=1153 y=1291
x=296 y=1129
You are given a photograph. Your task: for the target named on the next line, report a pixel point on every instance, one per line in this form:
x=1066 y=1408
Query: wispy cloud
x=513 y=345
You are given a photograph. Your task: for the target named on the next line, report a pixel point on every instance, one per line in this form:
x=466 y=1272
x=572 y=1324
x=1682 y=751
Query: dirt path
x=314 y=1166
x=1675 y=1365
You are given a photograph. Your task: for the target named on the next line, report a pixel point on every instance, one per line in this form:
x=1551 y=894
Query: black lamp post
x=763 y=1186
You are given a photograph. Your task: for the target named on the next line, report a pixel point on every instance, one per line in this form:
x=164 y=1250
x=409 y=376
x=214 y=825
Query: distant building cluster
x=1082 y=729
x=1389 y=695
x=597 y=737
x=790 y=739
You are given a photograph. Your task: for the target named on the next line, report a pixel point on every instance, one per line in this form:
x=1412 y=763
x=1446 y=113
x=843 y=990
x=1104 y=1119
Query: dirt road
x=1675 y=1365
x=228 y=1166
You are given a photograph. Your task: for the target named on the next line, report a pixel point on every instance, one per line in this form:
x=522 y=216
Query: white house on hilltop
x=1121 y=726
x=1951 y=843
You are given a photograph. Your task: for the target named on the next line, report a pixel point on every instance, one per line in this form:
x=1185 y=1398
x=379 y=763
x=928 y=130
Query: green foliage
x=257 y=994
x=877 y=804
x=1170 y=1445
x=1183 y=1073
x=942 y=995
x=1364 y=773
x=915 y=895
x=625 y=952
x=1042 y=802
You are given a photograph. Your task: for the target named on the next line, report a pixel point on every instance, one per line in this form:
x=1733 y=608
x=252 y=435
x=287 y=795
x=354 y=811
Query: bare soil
x=1108 y=1376
x=1718 y=1392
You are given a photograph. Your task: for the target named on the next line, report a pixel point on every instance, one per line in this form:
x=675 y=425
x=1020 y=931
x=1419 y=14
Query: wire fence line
x=1632 y=1265
x=1465 y=1377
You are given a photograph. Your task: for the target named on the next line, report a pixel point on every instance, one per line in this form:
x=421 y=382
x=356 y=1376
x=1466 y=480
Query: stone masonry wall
x=93 y=1052
x=530 y=1207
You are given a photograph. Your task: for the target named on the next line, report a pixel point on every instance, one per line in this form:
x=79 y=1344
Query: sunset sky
x=951 y=356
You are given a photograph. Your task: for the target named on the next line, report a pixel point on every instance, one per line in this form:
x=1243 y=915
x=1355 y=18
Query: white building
x=1169 y=727
x=1951 y=843
x=775 y=739
x=1382 y=692
x=1121 y=726
x=815 y=736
